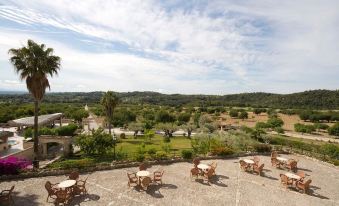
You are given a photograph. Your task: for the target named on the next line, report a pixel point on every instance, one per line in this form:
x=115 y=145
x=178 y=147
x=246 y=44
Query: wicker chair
x=74 y=175
x=274 y=154
x=6 y=196
x=256 y=160
x=275 y=162
x=157 y=176
x=213 y=165
x=292 y=165
x=80 y=187
x=285 y=180
x=302 y=175
x=195 y=172
x=258 y=169
x=209 y=174
x=51 y=190
x=196 y=161
x=244 y=166
x=132 y=179
x=142 y=167
x=304 y=186
x=145 y=182
x=62 y=197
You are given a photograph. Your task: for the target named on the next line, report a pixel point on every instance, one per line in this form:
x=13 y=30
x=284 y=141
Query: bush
x=13 y=165
x=275 y=122
x=222 y=151
x=167 y=139
x=321 y=126
x=152 y=152
x=121 y=155
x=261 y=125
x=71 y=164
x=243 y=115
x=233 y=113
x=262 y=147
x=330 y=150
x=46 y=131
x=161 y=155
x=279 y=130
x=68 y=130
x=187 y=154
x=304 y=128
x=246 y=129
x=28 y=133
x=334 y=130
x=122 y=136
x=139 y=157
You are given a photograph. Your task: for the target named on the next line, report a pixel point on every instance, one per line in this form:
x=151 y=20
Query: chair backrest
x=307 y=183
x=301 y=174
x=196 y=161
x=256 y=160
x=11 y=190
x=274 y=154
x=195 y=171
x=261 y=167
x=61 y=195
x=214 y=165
x=210 y=172
x=242 y=163
x=142 y=167
x=131 y=175
x=74 y=175
x=293 y=163
x=48 y=186
x=146 y=181
x=284 y=178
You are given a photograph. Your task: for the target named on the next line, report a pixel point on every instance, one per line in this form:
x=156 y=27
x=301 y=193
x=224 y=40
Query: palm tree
x=109 y=101
x=34 y=63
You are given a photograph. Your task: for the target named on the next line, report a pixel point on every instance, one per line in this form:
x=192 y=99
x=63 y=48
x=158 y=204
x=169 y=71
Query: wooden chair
x=256 y=160
x=244 y=166
x=196 y=161
x=292 y=165
x=6 y=196
x=209 y=174
x=274 y=154
x=80 y=187
x=304 y=186
x=74 y=175
x=145 y=182
x=302 y=175
x=51 y=190
x=258 y=169
x=142 y=167
x=157 y=176
x=62 y=197
x=213 y=165
x=285 y=180
x=275 y=162
x=132 y=179
x=195 y=172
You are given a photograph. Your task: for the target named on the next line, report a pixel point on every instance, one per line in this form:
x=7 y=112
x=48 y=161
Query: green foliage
x=187 y=154
x=122 y=117
x=77 y=114
x=321 y=126
x=262 y=148
x=28 y=133
x=68 y=130
x=97 y=143
x=243 y=115
x=72 y=164
x=279 y=130
x=275 y=122
x=200 y=145
x=166 y=147
x=161 y=155
x=315 y=116
x=184 y=118
x=164 y=117
x=46 y=131
x=222 y=151
x=233 y=113
x=246 y=129
x=139 y=157
x=259 y=110
x=262 y=125
x=331 y=150
x=149 y=134
x=334 y=130
x=304 y=128
x=152 y=152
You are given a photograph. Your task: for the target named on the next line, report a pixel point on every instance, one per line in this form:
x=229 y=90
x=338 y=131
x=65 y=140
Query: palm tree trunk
x=36 y=140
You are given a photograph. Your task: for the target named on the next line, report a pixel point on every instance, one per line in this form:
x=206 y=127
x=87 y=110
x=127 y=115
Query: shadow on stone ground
x=77 y=200
x=24 y=199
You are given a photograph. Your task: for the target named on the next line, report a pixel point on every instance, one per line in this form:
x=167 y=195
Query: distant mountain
x=314 y=99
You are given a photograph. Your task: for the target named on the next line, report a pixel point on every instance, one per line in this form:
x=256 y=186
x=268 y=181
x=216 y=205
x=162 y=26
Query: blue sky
x=190 y=47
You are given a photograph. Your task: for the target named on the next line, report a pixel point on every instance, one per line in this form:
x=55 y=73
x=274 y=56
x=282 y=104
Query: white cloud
x=222 y=47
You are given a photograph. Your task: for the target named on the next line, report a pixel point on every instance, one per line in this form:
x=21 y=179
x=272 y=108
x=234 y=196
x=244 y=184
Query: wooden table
x=203 y=166
x=282 y=159
x=66 y=184
x=248 y=161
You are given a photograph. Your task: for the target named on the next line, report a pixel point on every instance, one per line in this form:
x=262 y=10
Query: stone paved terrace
x=230 y=187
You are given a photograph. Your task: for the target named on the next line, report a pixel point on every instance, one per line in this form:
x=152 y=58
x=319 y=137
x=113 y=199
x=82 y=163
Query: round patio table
x=248 y=161
x=292 y=176
x=203 y=166
x=67 y=183
x=143 y=173
x=283 y=159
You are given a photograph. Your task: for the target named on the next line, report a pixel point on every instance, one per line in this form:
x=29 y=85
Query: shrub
x=71 y=164
x=68 y=130
x=166 y=147
x=222 y=151
x=262 y=147
x=279 y=130
x=275 y=122
x=121 y=155
x=233 y=113
x=334 y=130
x=46 y=131
x=152 y=152
x=139 y=157
x=186 y=154
x=28 y=133
x=321 y=126
x=304 y=128
x=122 y=136
x=167 y=139
x=330 y=150
x=246 y=129
x=161 y=155
x=243 y=115
x=261 y=125
x=13 y=165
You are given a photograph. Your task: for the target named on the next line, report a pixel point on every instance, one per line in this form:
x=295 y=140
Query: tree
x=34 y=63
x=136 y=127
x=184 y=118
x=204 y=119
x=243 y=115
x=233 y=113
x=109 y=101
x=189 y=127
x=275 y=122
x=168 y=128
x=164 y=117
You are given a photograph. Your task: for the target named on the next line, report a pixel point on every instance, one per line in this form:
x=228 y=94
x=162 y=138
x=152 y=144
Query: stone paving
x=229 y=187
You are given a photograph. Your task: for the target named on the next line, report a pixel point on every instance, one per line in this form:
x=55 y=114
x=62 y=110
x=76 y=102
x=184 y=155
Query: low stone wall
x=117 y=165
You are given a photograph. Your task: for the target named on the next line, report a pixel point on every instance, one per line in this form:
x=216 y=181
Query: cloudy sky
x=190 y=47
